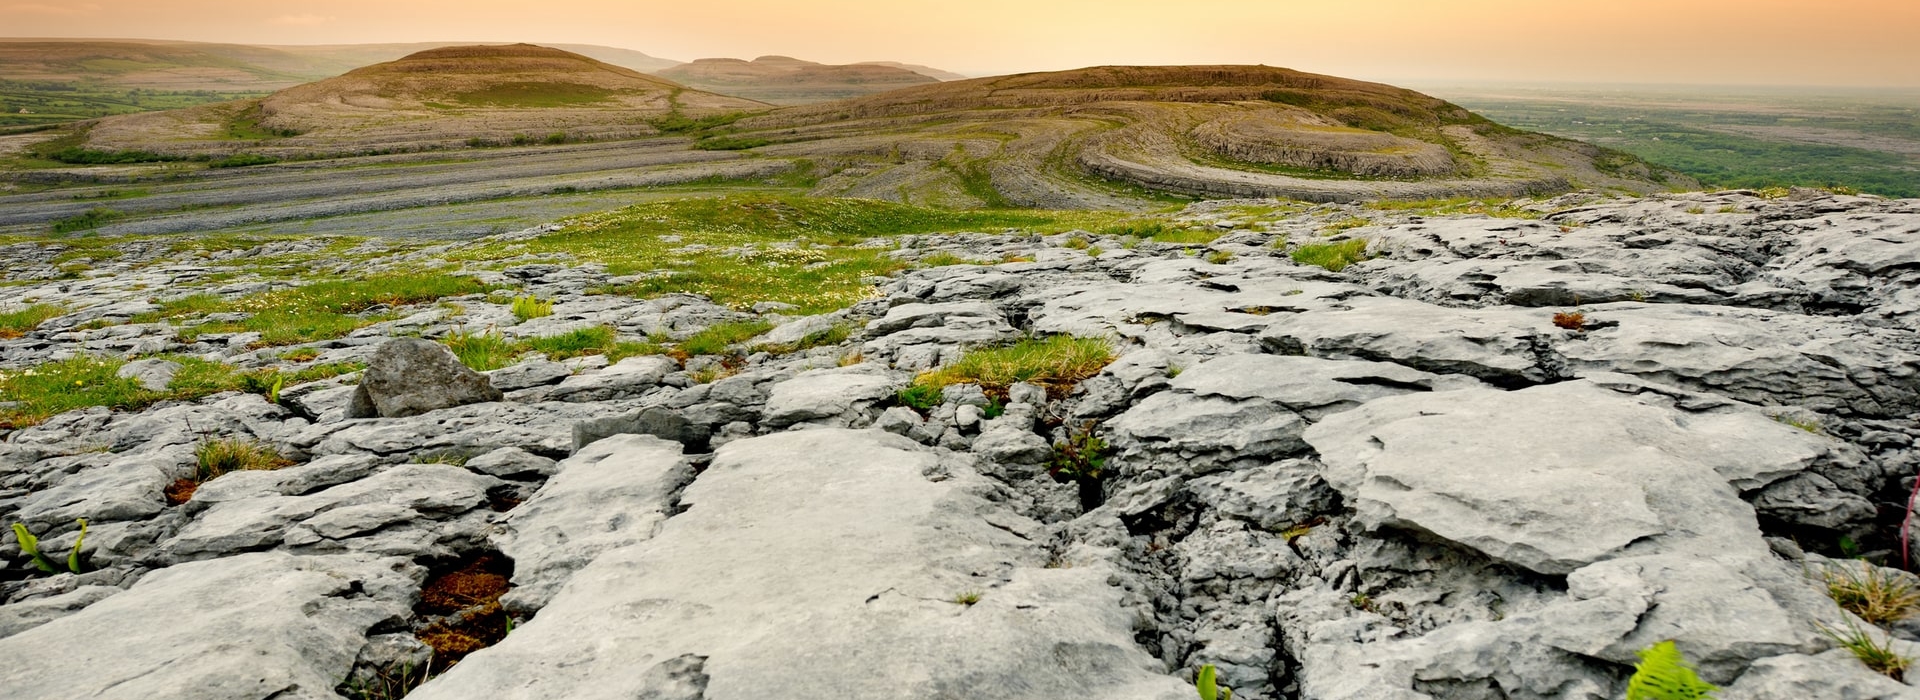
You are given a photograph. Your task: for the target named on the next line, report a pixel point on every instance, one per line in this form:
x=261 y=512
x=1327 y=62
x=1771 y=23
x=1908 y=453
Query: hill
x=434 y=98
x=1064 y=139
x=791 y=81
x=928 y=71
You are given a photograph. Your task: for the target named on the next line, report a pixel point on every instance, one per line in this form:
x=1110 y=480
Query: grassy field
x=1731 y=138
x=57 y=103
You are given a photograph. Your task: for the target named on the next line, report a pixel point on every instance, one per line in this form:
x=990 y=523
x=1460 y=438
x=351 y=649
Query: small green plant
x=530 y=307
x=1864 y=590
x=919 y=397
x=1220 y=257
x=967 y=598
x=1877 y=654
x=1664 y=674
x=273 y=392
x=1077 y=243
x=1082 y=459
x=388 y=684
x=1811 y=425
x=30 y=546
x=1207 y=683
x=1332 y=256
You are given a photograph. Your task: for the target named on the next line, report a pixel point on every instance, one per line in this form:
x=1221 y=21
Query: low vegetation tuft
x=1055 y=362
x=1877 y=596
x=14 y=324
x=1332 y=256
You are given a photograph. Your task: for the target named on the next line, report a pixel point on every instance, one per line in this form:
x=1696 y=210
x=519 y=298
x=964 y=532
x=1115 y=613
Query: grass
x=1219 y=257
x=530 y=307
x=716 y=339
x=1879 y=598
x=241 y=160
x=968 y=598
x=818 y=264
x=218 y=457
x=835 y=335
x=524 y=94
x=86 y=381
x=1453 y=207
x=322 y=310
x=1877 y=654
x=729 y=143
x=489 y=351
x=1160 y=231
x=1055 y=362
x=14 y=324
x=1332 y=256
x=93 y=218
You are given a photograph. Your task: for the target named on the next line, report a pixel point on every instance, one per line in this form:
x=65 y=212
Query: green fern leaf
x=1663 y=674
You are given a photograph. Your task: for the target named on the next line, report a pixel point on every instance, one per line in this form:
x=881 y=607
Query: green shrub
x=1332 y=256
x=729 y=143
x=93 y=218
x=919 y=397
x=1663 y=674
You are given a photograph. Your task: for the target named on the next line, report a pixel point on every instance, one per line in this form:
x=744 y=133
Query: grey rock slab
x=658 y=421
x=1573 y=474
x=799 y=329
x=755 y=592
x=1501 y=346
x=630 y=377
x=424 y=491
x=828 y=394
x=512 y=463
x=1834 y=675
x=127 y=487
x=301 y=622
x=23 y=616
x=613 y=493
x=1755 y=355
x=151 y=374
x=410 y=376
x=542 y=428
x=527 y=375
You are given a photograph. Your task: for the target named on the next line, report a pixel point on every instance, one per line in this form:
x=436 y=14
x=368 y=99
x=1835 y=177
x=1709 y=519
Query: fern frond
x=1664 y=674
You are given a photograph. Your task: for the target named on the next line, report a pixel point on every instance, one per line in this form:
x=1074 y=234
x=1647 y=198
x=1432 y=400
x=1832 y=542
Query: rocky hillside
x=790 y=81
x=437 y=98
x=1081 y=138
x=1333 y=451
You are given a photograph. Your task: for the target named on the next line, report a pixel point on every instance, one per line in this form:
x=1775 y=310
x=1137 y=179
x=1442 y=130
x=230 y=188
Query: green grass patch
x=481 y=351
x=1453 y=207
x=825 y=270
x=86 y=381
x=325 y=310
x=715 y=339
x=675 y=122
x=93 y=218
x=729 y=143
x=14 y=324
x=525 y=94
x=241 y=160
x=1332 y=256
x=1160 y=231
x=490 y=351
x=596 y=340
x=529 y=307
x=1055 y=362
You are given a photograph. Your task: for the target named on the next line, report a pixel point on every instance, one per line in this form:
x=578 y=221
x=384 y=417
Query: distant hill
x=790 y=81
x=152 y=64
x=434 y=98
x=1083 y=138
x=930 y=72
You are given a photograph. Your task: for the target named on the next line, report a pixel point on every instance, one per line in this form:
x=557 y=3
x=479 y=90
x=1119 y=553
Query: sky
x=1720 y=42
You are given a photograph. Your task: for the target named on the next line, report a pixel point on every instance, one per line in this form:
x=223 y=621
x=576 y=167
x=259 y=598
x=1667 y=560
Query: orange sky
x=1791 y=42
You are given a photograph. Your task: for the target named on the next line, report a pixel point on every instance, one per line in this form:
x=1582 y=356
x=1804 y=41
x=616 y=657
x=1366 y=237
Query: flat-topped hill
x=439 y=96
x=1062 y=138
x=791 y=81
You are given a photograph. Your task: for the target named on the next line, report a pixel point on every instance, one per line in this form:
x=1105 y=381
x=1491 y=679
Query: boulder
x=411 y=376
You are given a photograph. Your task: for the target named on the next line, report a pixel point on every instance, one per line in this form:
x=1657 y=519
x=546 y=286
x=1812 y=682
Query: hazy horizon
x=1844 y=43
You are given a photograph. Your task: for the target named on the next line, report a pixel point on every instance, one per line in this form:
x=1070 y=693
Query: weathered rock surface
x=1404 y=480
x=757 y=591
x=241 y=628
